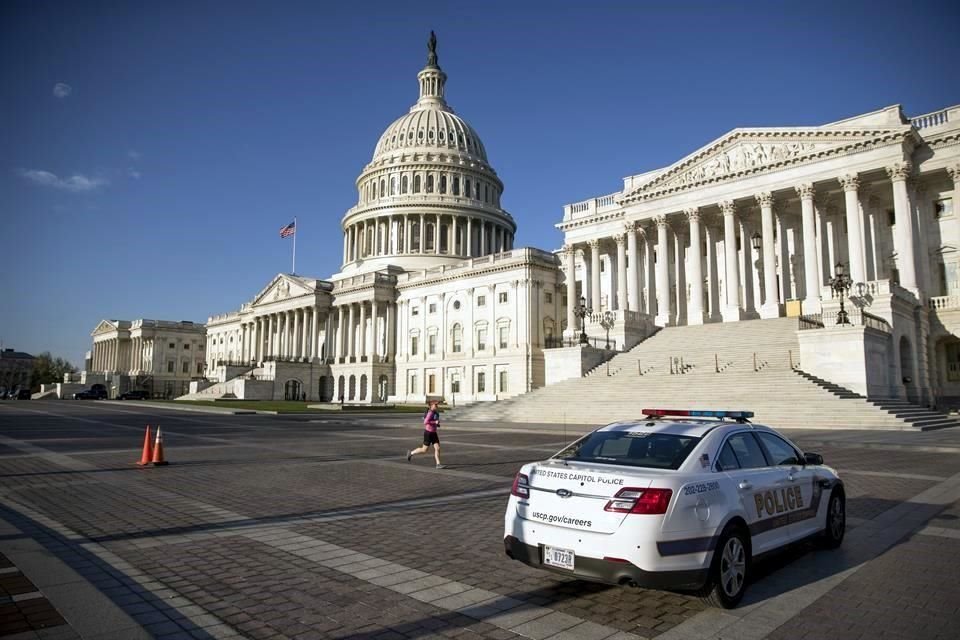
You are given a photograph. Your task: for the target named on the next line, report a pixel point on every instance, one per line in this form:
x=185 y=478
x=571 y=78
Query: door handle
x=745 y=486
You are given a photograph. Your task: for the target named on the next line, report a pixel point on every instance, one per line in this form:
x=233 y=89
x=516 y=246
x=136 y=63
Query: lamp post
x=582 y=311
x=840 y=285
x=606 y=322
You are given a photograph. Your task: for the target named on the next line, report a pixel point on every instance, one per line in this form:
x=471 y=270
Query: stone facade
x=159 y=356
x=754 y=224
x=16 y=367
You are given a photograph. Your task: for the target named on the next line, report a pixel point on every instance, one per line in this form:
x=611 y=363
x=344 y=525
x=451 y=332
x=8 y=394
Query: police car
x=682 y=499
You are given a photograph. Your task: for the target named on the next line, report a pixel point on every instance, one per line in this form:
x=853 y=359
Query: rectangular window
x=456 y=341
x=548 y=297
x=455 y=384
x=891 y=218
x=199 y=367
x=503 y=296
x=431 y=383
x=433 y=307
x=173 y=346
x=414 y=311
x=503 y=381
x=504 y=336
x=481 y=301
x=432 y=344
x=481 y=382
x=170 y=364
x=943 y=208
x=413 y=382
x=603 y=266
x=481 y=339
x=186 y=366
x=413 y=345
x=186 y=347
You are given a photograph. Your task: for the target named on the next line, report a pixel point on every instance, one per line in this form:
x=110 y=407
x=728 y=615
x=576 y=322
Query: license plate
x=561 y=558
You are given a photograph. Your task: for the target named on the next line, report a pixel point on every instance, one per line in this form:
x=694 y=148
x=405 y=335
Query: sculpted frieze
x=745 y=156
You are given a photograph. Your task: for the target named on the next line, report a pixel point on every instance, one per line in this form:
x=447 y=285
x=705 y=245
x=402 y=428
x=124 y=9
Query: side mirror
x=812 y=458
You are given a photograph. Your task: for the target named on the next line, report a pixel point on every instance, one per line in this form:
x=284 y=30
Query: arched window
x=403 y=184
x=374 y=189
x=430 y=183
x=443 y=184
x=383 y=188
x=393 y=185
x=456 y=338
x=466 y=187
x=429 y=238
x=416 y=184
x=456 y=186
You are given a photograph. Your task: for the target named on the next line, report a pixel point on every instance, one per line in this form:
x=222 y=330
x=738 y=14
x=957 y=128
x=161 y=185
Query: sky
x=151 y=151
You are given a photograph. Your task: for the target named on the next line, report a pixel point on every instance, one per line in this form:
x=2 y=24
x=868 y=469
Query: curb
x=195 y=409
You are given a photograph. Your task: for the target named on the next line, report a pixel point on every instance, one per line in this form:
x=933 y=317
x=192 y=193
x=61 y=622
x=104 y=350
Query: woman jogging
x=431 y=422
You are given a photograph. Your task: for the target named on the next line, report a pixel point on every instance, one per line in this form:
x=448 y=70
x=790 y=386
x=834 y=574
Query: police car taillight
x=521 y=486
x=640 y=501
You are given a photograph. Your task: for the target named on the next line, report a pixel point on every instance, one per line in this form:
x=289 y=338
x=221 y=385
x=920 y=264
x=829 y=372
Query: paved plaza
x=315 y=526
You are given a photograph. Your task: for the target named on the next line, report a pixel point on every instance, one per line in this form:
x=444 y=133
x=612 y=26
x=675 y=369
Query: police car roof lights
x=739 y=416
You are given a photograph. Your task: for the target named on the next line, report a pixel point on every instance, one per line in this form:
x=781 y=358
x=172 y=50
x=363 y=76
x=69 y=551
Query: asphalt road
x=317 y=527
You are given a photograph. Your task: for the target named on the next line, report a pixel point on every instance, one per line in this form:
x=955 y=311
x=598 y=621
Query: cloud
x=133 y=155
x=133 y=173
x=62 y=90
x=77 y=183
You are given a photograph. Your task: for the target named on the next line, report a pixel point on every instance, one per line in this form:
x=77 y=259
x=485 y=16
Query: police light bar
x=699 y=413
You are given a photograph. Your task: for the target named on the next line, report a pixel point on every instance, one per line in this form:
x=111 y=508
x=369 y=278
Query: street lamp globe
x=756 y=241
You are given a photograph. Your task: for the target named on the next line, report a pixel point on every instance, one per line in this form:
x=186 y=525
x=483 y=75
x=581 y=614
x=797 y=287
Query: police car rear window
x=634 y=449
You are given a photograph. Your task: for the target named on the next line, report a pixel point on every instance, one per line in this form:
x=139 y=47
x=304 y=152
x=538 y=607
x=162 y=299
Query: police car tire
x=832 y=535
x=714 y=593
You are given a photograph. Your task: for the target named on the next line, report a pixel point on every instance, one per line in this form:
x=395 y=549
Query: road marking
x=890 y=474
x=941 y=532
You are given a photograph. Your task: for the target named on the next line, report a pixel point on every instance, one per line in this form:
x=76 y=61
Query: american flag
x=288 y=230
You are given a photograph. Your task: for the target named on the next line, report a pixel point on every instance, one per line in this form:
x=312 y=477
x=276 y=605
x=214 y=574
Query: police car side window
x=748 y=452
x=780 y=452
x=727 y=461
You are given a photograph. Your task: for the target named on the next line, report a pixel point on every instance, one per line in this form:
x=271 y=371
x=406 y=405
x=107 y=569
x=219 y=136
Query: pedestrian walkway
x=25 y=612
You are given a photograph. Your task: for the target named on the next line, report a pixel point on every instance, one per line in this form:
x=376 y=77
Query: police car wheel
x=836 y=522
x=728 y=572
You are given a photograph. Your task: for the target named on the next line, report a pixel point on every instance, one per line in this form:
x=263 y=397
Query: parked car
x=23 y=394
x=134 y=394
x=96 y=392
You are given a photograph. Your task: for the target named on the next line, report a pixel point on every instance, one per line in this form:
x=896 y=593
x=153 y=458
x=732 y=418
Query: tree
x=47 y=370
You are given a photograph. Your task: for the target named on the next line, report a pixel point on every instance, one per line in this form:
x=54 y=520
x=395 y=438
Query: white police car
x=683 y=503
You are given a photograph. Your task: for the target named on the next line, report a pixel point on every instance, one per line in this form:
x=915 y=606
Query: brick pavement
x=190 y=550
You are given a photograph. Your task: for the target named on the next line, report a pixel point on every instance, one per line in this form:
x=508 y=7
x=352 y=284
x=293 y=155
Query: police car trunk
x=597 y=509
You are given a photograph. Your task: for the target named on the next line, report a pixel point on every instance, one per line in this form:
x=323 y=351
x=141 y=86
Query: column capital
x=806 y=191
x=594 y=244
x=620 y=239
x=850 y=181
x=567 y=250
x=693 y=214
x=899 y=171
x=728 y=208
x=764 y=199
x=954 y=172
x=660 y=220
x=630 y=227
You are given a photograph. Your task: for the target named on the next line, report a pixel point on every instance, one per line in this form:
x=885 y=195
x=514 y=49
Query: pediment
x=745 y=152
x=281 y=288
x=105 y=326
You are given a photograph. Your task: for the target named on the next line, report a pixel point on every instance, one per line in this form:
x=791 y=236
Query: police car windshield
x=632 y=448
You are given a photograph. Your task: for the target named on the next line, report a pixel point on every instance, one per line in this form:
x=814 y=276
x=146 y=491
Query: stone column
x=679 y=277
x=341 y=338
x=664 y=312
x=436 y=235
x=294 y=351
x=595 y=274
x=391 y=332
x=731 y=311
x=633 y=289
x=695 y=307
x=771 y=304
x=650 y=282
x=851 y=182
x=712 y=268
x=362 y=347
x=811 y=301
x=305 y=333
x=903 y=238
x=483 y=238
x=352 y=334
x=621 y=241
x=314 y=334
x=470 y=237
x=374 y=351
x=423 y=234
x=570 y=260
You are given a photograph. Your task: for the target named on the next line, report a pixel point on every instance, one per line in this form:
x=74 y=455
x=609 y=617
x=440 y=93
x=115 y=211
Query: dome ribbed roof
x=431 y=125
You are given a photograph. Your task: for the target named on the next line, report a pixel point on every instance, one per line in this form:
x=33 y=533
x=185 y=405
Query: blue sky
x=151 y=151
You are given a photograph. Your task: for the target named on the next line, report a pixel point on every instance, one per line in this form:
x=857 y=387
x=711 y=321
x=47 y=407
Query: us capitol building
x=434 y=299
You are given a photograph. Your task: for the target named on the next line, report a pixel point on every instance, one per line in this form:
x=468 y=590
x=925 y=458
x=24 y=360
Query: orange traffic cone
x=147 y=454
x=158 y=450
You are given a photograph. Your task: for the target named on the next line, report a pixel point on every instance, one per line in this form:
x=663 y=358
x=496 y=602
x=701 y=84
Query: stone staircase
x=758 y=371
x=218 y=391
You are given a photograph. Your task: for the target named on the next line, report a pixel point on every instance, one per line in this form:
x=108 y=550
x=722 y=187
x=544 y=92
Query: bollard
x=716 y=363
x=754 y=360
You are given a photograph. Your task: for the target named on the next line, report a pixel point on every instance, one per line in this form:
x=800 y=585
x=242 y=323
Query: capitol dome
x=429 y=195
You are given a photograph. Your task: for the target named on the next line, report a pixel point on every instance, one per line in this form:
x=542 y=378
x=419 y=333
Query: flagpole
x=294 y=272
